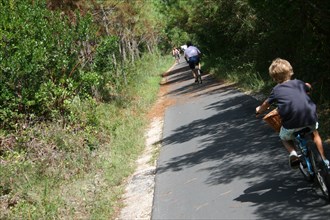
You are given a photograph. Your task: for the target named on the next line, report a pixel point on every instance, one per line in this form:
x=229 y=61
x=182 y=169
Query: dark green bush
x=41 y=53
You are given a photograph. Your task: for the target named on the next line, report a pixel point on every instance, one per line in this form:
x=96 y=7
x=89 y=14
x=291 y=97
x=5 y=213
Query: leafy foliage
x=70 y=84
x=255 y=32
x=39 y=54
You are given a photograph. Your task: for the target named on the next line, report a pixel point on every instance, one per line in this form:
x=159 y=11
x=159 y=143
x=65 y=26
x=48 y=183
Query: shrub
x=40 y=58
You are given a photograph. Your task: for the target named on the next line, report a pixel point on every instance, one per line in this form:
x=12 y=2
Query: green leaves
x=106 y=54
x=257 y=31
x=39 y=48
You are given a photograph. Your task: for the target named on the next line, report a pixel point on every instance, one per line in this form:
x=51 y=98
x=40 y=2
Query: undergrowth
x=76 y=170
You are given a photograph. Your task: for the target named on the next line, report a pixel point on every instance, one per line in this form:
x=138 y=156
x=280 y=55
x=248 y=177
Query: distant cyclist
x=176 y=54
x=192 y=55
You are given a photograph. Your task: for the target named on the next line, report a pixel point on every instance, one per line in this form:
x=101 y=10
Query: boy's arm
x=199 y=53
x=263 y=107
x=185 y=56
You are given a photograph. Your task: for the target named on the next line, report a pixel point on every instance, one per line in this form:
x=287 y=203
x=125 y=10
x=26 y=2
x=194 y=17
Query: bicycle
x=194 y=64
x=199 y=76
x=311 y=164
x=196 y=72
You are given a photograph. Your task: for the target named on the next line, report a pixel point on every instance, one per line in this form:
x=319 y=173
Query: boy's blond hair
x=280 y=70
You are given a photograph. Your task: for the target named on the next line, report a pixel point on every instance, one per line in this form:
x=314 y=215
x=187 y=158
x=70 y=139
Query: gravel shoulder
x=139 y=191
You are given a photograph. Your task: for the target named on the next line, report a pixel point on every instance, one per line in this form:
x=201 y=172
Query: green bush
x=39 y=48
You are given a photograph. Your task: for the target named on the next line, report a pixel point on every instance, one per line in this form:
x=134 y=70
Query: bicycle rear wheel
x=321 y=171
x=199 y=76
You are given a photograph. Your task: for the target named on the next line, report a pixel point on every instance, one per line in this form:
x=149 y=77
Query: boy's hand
x=309 y=88
x=257 y=111
x=261 y=108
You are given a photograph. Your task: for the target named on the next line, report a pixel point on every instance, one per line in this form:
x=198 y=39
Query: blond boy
x=295 y=107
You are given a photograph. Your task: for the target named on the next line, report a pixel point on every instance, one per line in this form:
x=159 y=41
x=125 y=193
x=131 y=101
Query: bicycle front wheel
x=305 y=170
x=305 y=165
x=321 y=171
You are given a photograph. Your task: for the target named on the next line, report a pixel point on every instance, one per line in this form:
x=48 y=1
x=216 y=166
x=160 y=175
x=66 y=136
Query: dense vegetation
x=74 y=73
x=240 y=38
x=251 y=33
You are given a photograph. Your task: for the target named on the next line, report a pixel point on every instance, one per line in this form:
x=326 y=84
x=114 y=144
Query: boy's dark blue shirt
x=294 y=105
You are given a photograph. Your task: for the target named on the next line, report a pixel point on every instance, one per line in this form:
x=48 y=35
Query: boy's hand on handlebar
x=257 y=111
x=309 y=88
x=261 y=108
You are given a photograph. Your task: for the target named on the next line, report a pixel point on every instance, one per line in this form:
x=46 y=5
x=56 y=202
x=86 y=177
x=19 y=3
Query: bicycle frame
x=304 y=157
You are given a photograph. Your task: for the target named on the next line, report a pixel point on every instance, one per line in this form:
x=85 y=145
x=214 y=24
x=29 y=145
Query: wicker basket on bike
x=274 y=120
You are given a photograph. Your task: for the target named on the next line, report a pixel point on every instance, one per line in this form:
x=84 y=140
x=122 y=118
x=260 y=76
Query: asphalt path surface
x=218 y=161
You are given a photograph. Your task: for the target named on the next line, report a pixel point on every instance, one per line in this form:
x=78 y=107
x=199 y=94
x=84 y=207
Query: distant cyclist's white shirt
x=191 y=51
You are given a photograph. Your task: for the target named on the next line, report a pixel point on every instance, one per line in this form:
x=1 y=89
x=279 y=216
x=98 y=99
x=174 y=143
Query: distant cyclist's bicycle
x=311 y=164
x=199 y=76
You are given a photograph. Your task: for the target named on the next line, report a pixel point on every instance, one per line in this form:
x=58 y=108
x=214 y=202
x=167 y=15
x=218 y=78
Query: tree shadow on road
x=232 y=133
x=176 y=69
x=209 y=86
x=182 y=74
x=289 y=198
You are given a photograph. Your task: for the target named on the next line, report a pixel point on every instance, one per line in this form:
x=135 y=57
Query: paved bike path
x=218 y=161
